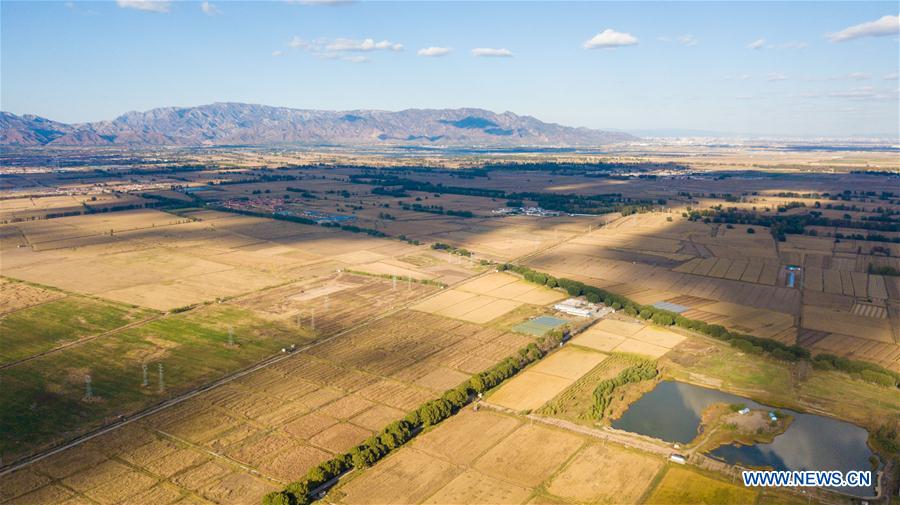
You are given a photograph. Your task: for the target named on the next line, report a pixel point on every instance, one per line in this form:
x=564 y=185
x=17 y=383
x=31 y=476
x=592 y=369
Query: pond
x=672 y=412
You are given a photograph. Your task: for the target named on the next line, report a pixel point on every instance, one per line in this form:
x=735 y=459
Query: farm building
x=575 y=307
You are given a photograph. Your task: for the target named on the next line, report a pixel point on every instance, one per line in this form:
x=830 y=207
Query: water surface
x=671 y=412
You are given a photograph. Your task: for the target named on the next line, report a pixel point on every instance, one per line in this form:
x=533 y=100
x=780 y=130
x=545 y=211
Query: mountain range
x=248 y=124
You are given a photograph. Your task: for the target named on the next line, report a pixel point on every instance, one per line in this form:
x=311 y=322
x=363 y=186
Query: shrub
x=878 y=377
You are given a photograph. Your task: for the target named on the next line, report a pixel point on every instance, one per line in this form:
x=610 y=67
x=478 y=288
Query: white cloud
x=209 y=9
x=891 y=77
x=865 y=93
x=490 y=52
x=298 y=43
x=145 y=5
x=857 y=76
x=610 y=38
x=775 y=76
x=688 y=40
x=886 y=25
x=434 y=51
x=355 y=59
x=757 y=44
x=342 y=48
x=341 y=45
x=738 y=77
x=277 y=53
x=764 y=44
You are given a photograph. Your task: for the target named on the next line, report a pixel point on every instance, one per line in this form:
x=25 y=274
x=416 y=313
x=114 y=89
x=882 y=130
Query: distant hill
x=247 y=124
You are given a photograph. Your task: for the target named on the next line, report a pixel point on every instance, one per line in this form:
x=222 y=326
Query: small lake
x=671 y=412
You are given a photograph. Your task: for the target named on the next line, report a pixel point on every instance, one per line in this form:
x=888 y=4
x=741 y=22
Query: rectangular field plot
x=15 y=295
x=529 y=390
x=407 y=477
x=605 y=474
x=487 y=298
x=515 y=459
x=42 y=327
x=549 y=377
x=831 y=321
x=680 y=486
x=509 y=287
x=576 y=401
x=569 y=363
x=613 y=335
x=539 y=326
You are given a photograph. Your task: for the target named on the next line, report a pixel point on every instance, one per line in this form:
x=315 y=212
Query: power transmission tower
x=146 y=381
x=162 y=381
x=88 y=393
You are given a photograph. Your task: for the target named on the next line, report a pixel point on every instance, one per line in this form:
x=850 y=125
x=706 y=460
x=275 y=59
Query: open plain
x=215 y=334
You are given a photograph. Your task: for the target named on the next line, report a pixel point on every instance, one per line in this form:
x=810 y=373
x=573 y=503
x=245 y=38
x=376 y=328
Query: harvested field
x=16 y=295
x=487 y=298
x=463 y=438
x=515 y=460
x=528 y=391
x=163 y=263
x=268 y=283
x=475 y=487
x=284 y=419
x=407 y=477
x=575 y=402
x=549 y=377
x=614 y=335
x=606 y=474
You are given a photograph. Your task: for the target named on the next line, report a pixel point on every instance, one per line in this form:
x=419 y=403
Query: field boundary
x=153 y=409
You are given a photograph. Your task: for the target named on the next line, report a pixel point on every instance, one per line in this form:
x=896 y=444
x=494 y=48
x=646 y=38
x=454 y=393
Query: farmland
x=239 y=323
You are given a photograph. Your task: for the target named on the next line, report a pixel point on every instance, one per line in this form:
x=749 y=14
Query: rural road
x=277 y=358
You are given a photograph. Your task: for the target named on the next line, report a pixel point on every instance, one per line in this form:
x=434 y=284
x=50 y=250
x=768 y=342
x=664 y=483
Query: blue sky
x=799 y=68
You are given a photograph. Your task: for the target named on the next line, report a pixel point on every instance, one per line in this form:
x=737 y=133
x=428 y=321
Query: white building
x=575 y=307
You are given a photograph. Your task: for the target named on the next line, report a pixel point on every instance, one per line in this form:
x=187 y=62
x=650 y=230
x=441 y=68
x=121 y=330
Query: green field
x=41 y=400
x=37 y=329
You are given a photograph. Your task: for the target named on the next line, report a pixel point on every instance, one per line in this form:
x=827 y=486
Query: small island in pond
x=735 y=424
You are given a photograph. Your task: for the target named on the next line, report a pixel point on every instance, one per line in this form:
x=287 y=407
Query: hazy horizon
x=792 y=69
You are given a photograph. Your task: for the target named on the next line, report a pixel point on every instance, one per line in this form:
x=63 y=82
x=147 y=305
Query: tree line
x=603 y=393
x=391 y=184
x=864 y=370
x=401 y=431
